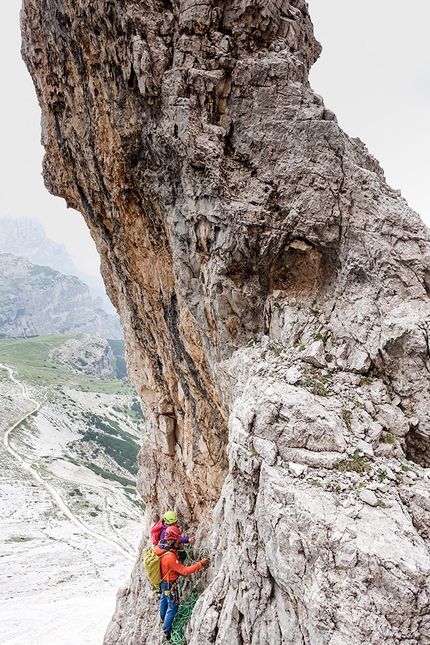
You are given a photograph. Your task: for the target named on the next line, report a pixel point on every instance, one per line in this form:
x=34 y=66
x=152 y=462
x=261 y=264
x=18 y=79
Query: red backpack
x=155 y=532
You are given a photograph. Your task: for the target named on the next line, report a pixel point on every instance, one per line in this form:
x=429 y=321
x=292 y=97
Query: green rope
x=177 y=637
x=191 y=551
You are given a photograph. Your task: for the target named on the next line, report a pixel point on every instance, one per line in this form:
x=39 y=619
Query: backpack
x=156 y=531
x=152 y=565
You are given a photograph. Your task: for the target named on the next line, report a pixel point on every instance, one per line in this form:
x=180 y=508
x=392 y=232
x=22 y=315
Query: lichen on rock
x=274 y=295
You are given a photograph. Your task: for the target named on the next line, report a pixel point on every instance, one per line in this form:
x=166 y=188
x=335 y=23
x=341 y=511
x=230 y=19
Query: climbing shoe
x=167 y=636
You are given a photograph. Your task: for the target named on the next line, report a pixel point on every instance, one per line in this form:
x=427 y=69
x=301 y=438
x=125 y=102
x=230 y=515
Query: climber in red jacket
x=158 y=532
x=171 y=569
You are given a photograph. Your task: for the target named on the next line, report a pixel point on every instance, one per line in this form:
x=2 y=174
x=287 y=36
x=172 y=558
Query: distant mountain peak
x=26 y=237
x=38 y=300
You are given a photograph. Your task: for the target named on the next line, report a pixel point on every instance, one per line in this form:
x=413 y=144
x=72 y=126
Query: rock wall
x=274 y=296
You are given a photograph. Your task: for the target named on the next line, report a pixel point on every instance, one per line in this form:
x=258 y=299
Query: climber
x=171 y=569
x=158 y=532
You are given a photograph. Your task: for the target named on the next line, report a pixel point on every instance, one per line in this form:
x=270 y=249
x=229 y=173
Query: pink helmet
x=172 y=533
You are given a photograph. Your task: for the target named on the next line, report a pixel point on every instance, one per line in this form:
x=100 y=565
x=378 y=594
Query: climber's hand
x=192 y=540
x=205 y=562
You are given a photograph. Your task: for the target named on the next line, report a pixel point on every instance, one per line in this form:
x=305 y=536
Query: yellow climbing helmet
x=170 y=517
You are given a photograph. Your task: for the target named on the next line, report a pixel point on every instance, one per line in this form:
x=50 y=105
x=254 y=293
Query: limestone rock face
x=274 y=296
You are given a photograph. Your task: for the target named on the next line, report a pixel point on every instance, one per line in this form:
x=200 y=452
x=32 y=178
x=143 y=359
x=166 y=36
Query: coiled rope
x=177 y=636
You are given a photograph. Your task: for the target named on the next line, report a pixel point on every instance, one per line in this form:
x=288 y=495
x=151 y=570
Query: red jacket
x=155 y=532
x=171 y=567
x=158 y=532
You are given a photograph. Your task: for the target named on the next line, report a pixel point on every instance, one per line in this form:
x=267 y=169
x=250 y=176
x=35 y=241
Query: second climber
x=171 y=568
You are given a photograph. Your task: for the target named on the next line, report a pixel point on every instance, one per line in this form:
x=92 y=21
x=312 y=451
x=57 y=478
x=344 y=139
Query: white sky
x=374 y=73
x=22 y=192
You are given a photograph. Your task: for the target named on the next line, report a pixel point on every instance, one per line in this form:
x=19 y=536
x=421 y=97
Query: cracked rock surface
x=274 y=294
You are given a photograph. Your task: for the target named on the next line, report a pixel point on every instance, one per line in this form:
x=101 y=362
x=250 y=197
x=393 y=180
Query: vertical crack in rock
x=273 y=291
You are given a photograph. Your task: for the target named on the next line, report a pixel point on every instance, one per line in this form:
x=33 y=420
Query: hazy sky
x=22 y=192
x=374 y=73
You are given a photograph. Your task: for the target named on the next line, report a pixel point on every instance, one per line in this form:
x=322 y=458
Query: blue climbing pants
x=169 y=605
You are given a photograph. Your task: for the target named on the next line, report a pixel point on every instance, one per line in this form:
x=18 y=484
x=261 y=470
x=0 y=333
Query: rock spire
x=273 y=291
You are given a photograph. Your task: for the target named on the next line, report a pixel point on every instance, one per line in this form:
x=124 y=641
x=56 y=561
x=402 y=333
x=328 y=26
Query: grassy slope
x=29 y=357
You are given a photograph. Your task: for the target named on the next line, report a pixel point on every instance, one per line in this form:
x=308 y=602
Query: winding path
x=54 y=494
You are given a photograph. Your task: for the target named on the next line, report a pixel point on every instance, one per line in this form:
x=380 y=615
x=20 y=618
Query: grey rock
x=314 y=354
x=297 y=469
x=293 y=375
x=312 y=458
x=365 y=448
x=373 y=487
x=411 y=474
x=378 y=392
x=87 y=355
x=422 y=498
x=383 y=487
x=267 y=449
x=390 y=474
x=26 y=238
x=369 y=497
x=393 y=419
x=346 y=557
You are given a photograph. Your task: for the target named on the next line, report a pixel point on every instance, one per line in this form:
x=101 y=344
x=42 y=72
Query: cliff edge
x=274 y=295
